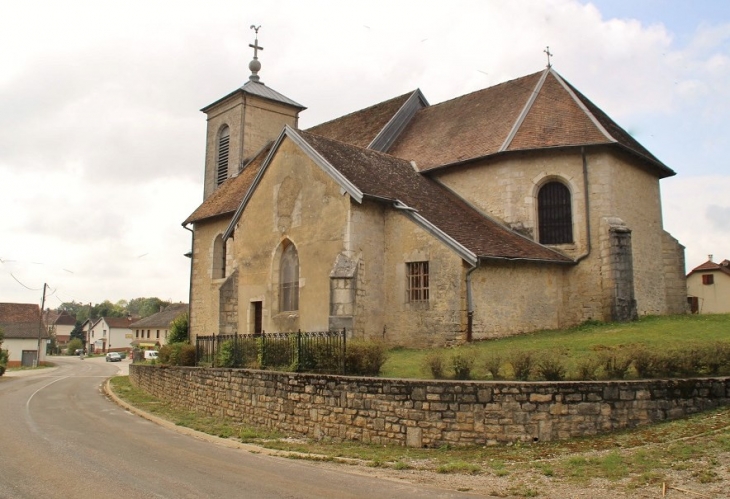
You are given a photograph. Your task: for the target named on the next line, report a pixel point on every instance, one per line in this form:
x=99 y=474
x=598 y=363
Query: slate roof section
x=21 y=321
x=361 y=127
x=162 y=319
x=710 y=266
x=258 y=89
x=383 y=176
x=227 y=197
x=536 y=111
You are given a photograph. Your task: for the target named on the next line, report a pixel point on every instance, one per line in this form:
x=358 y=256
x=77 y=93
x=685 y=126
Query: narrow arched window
x=219 y=258
x=224 y=137
x=289 y=280
x=554 y=212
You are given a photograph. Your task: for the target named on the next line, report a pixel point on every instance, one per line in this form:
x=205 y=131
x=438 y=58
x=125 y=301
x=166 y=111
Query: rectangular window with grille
x=417 y=281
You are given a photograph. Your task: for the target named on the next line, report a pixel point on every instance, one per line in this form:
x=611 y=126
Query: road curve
x=61 y=437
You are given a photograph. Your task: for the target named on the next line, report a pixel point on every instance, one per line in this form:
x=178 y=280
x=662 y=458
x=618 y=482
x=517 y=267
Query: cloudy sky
x=102 y=140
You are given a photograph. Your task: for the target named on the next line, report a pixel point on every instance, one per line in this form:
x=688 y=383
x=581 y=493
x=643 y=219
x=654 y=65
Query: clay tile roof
x=710 y=266
x=119 y=322
x=383 y=176
x=361 y=127
x=65 y=319
x=227 y=197
x=162 y=319
x=537 y=111
x=21 y=320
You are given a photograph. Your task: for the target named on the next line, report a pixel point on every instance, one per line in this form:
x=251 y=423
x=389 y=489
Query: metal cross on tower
x=255 y=45
x=547 y=51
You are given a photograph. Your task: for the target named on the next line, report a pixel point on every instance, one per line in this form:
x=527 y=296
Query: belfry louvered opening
x=222 y=159
x=555 y=216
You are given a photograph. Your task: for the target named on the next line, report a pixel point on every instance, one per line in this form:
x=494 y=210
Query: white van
x=150 y=355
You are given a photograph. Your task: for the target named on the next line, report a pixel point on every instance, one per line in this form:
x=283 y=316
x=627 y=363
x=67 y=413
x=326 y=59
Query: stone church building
x=515 y=208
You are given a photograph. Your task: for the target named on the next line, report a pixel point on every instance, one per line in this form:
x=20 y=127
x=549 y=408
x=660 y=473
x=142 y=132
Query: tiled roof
x=710 y=266
x=361 y=127
x=119 y=322
x=537 y=111
x=65 y=319
x=21 y=320
x=384 y=176
x=162 y=319
x=227 y=197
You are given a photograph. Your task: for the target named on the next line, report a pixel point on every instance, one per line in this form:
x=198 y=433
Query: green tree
x=179 y=329
x=3 y=354
x=77 y=332
x=144 y=307
x=73 y=345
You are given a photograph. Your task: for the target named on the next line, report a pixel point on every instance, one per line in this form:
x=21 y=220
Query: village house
x=515 y=208
x=60 y=325
x=151 y=332
x=23 y=332
x=110 y=334
x=708 y=287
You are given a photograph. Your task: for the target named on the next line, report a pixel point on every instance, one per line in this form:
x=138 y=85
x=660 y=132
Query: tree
x=77 y=331
x=74 y=345
x=144 y=307
x=179 y=329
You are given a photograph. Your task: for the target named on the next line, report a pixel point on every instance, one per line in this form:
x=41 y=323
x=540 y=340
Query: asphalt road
x=60 y=437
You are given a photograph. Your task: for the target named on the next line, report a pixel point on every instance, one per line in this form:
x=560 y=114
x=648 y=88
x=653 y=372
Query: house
x=708 y=287
x=110 y=334
x=152 y=331
x=515 y=208
x=24 y=332
x=60 y=326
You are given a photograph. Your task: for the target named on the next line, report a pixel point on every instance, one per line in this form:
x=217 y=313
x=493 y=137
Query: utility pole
x=40 y=327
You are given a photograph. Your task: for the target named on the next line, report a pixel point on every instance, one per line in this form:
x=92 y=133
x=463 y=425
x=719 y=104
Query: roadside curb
x=225 y=442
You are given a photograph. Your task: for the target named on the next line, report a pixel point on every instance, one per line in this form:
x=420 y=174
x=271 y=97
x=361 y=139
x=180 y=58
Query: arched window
x=554 y=213
x=289 y=280
x=219 y=258
x=222 y=155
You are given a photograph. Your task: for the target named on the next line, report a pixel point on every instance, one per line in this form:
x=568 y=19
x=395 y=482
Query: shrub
x=177 y=354
x=4 y=356
x=226 y=354
x=648 y=364
x=587 y=369
x=433 y=363
x=616 y=363
x=522 y=364
x=365 y=358
x=179 y=329
x=73 y=345
x=716 y=358
x=462 y=363
x=326 y=357
x=550 y=366
x=493 y=364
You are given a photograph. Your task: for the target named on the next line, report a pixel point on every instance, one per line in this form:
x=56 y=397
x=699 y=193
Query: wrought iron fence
x=320 y=352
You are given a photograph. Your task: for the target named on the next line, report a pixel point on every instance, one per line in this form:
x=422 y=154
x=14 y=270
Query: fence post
x=344 y=350
x=299 y=350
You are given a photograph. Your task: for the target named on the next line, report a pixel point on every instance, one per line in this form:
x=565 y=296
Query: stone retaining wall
x=427 y=413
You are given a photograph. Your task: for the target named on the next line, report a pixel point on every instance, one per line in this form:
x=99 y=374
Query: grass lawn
x=575 y=345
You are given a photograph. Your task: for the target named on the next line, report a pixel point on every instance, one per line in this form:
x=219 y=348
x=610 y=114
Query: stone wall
x=420 y=413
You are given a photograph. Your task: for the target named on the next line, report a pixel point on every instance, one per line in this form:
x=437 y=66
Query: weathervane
x=255 y=65
x=547 y=51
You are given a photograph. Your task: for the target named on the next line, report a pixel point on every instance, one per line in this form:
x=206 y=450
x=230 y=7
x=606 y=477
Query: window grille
x=555 y=218
x=417 y=275
x=222 y=160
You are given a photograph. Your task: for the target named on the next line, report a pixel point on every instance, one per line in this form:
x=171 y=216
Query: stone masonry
x=428 y=413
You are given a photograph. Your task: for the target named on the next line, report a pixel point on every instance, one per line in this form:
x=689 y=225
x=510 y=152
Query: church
x=515 y=208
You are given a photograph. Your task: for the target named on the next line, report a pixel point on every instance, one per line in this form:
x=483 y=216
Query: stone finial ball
x=254 y=65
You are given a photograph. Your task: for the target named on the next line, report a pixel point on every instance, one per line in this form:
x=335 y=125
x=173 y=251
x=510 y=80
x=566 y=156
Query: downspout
x=470 y=303
x=587 y=205
x=190 y=290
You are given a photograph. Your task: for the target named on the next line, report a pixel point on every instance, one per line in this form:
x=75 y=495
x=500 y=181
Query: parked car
x=113 y=357
x=150 y=355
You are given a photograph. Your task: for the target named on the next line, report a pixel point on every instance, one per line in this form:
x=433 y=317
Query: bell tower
x=243 y=122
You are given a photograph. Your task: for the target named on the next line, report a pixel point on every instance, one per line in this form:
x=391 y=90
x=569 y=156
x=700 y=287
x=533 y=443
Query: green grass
x=658 y=333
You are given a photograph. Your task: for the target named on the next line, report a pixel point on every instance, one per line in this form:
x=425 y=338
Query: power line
x=26 y=287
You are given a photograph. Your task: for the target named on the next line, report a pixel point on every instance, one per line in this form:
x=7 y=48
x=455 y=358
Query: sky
x=102 y=141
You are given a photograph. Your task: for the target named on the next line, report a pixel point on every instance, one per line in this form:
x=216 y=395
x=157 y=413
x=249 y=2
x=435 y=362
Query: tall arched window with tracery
x=554 y=213
x=289 y=279
x=224 y=136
